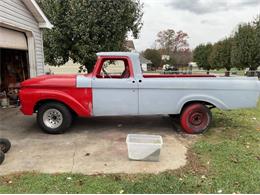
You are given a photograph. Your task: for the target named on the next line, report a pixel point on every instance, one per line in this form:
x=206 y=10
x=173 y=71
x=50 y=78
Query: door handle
x=140 y=81
x=133 y=81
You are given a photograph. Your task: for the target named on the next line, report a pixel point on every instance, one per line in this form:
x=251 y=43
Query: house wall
x=15 y=15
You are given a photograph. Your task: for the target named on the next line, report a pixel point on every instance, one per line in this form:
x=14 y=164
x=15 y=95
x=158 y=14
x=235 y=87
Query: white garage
x=21 y=44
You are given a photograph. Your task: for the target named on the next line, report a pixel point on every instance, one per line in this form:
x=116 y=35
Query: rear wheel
x=196 y=118
x=54 y=118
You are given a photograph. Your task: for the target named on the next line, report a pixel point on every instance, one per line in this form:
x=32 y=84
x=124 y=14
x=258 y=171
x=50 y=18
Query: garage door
x=12 y=39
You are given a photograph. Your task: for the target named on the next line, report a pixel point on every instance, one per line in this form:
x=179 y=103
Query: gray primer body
x=166 y=95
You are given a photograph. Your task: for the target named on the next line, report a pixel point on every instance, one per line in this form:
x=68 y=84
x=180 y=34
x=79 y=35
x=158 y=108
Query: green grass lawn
x=226 y=159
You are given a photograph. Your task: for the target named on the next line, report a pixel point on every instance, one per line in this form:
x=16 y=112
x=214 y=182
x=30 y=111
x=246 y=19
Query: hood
x=51 y=81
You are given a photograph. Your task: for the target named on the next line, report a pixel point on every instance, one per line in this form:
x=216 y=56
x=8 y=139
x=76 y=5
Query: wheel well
x=38 y=104
x=210 y=105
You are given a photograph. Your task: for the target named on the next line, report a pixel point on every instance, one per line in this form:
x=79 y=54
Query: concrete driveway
x=91 y=146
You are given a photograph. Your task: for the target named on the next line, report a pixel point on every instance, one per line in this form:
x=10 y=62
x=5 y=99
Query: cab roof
x=128 y=54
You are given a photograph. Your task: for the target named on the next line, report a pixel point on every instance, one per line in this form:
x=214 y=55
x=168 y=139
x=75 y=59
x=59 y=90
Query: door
x=115 y=91
x=14 y=68
x=14 y=64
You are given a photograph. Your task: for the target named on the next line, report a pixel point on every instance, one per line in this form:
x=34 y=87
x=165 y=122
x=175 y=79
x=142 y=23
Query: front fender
x=204 y=98
x=79 y=100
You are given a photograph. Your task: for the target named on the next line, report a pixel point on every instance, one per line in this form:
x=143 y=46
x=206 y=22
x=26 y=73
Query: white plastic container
x=144 y=147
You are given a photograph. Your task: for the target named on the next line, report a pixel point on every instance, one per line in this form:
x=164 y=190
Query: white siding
x=15 y=13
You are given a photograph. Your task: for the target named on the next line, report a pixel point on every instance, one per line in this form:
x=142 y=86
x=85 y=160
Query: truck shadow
x=133 y=124
x=116 y=128
x=124 y=122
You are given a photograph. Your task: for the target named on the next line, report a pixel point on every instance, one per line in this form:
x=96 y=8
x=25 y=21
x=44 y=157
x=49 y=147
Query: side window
x=114 y=69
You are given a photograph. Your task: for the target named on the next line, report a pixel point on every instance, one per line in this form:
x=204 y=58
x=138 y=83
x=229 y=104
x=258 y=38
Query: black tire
x=64 y=112
x=5 y=145
x=2 y=157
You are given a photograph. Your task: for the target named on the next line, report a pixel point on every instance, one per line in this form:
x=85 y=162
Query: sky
x=203 y=20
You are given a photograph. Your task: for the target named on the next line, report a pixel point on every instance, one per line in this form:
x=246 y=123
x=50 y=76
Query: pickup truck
x=117 y=86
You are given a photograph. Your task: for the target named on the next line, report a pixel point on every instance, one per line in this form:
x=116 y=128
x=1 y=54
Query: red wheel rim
x=195 y=119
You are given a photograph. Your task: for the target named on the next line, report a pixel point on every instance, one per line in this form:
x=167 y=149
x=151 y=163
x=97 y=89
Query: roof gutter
x=38 y=14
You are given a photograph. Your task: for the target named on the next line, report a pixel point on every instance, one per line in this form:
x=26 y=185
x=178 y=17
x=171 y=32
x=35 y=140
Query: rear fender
x=201 y=98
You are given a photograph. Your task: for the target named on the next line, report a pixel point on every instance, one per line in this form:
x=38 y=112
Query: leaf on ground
x=234 y=159
x=203 y=177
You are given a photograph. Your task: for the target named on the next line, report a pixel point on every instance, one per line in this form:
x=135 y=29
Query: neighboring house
x=165 y=57
x=130 y=46
x=21 y=44
x=193 y=65
x=145 y=64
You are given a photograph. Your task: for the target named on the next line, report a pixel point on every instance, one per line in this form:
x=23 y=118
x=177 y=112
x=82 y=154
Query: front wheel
x=54 y=118
x=195 y=118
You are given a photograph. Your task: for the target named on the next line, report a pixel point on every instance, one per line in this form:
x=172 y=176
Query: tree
x=171 y=41
x=220 y=56
x=153 y=55
x=82 y=28
x=201 y=55
x=246 y=47
x=257 y=26
x=182 y=57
